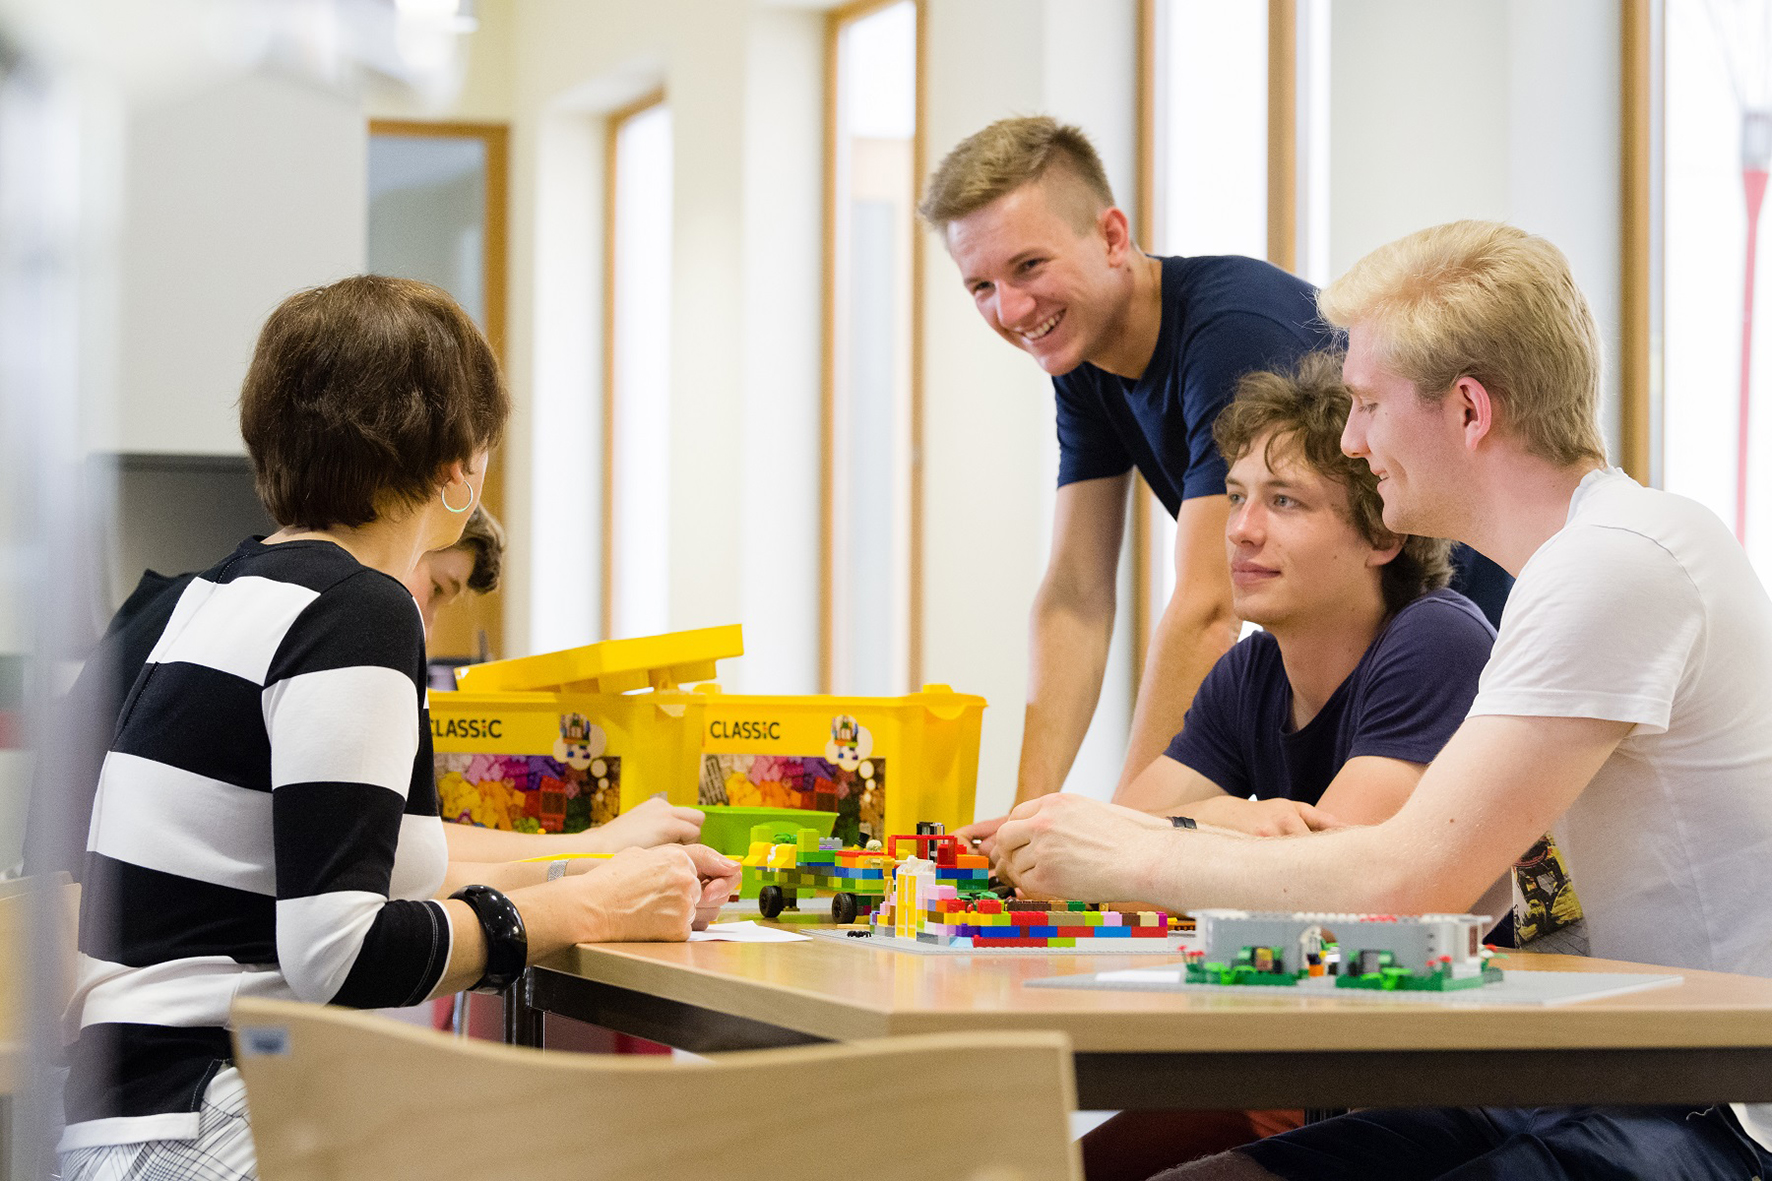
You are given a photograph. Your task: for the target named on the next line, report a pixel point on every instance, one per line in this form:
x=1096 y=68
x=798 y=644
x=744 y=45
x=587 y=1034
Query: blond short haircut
x=1488 y=301
x=1302 y=413
x=1009 y=154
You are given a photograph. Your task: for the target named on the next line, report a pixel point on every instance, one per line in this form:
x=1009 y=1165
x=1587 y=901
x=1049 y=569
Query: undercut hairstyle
x=1302 y=414
x=1488 y=301
x=484 y=538
x=359 y=393
x=1011 y=153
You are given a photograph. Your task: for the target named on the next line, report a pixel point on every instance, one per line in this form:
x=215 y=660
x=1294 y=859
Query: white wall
x=782 y=267
x=234 y=195
x=744 y=82
x=1565 y=139
x=1502 y=109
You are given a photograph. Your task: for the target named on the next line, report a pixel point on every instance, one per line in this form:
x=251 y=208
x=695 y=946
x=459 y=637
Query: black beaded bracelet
x=1183 y=822
x=507 y=943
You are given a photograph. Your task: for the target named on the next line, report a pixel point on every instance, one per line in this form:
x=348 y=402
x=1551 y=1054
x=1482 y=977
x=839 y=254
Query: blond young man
x=1627 y=705
x=1144 y=352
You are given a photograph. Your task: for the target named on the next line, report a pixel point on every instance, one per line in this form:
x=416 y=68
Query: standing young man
x=1628 y=704
x=1144 y=352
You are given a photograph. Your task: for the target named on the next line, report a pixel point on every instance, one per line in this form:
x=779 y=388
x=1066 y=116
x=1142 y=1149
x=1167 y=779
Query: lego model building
x=1436 y=952
x=779 y=866
x=927 y=905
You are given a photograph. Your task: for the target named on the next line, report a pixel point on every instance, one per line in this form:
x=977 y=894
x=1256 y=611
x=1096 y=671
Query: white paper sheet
x=745 y=932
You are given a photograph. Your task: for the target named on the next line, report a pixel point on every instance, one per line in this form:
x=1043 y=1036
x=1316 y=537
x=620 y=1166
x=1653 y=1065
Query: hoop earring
x=443 y=495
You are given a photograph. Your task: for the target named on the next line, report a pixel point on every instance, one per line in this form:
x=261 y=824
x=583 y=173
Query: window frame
x=614 y=121
x=836 y=21
x=482 y=613
x=1282 y=251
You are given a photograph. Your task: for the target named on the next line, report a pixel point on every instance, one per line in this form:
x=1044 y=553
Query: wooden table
x=1708 y=1039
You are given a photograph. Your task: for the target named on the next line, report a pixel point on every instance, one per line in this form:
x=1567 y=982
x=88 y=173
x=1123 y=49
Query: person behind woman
x=266 y=822
x=474 y=563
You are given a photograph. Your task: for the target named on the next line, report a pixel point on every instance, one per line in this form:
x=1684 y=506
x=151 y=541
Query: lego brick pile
x=528 y=793
x=779 y=781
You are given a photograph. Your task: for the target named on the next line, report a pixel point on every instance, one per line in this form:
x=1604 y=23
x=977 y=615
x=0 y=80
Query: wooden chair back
x=15 y=959
x=338 y=1095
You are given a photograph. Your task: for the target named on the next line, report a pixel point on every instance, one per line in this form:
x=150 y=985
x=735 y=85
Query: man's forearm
x=1067 y=660
x=1350 y=870
x=1183 y=650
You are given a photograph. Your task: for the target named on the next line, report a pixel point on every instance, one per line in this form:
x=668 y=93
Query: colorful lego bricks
x=780 y=866
x=776 y=871
x=929 y=908
x=528 y=793
x=856 y=793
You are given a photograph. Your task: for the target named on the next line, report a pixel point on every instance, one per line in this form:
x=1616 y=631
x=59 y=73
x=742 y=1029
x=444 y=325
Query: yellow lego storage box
x=554 y=743
x=880 y=763
x=563 y=741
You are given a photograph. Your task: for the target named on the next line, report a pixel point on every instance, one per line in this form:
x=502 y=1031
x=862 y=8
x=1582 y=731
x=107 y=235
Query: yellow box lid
x=613 y=666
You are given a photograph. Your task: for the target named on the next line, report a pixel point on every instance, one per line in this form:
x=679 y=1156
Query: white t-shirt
x=1643 y=608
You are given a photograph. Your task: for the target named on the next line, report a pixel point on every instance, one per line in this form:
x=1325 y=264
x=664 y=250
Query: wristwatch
x=1183 y=822
x=507 y=943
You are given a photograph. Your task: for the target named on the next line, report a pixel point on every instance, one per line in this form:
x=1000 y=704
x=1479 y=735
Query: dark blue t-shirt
x=1403 y=700
x=1223 y=316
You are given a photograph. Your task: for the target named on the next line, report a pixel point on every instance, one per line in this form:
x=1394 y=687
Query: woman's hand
x=653 y=822
x=654 y=895
x=719 y=882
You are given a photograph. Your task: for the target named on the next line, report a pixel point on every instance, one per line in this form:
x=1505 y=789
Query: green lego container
x=727 y=828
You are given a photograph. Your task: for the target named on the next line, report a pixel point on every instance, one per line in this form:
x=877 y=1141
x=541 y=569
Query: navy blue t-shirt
x=1223 y=316
x=1403 y=700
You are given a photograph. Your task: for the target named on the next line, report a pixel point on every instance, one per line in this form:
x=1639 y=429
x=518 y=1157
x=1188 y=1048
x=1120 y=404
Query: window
x=871 y=566
x=1716 y=123
x=1238 y=145
x=636 y=370
x=1212 y=129
x=437 y=213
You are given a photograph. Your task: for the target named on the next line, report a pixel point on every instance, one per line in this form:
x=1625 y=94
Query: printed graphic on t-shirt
x=1544 y=895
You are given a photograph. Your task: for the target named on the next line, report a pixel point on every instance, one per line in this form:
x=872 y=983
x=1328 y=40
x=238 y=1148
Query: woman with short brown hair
x=266 y=821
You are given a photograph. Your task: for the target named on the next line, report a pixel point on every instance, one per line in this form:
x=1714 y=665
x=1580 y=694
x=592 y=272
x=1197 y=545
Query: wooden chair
x=15 y=951
x=341 y=1095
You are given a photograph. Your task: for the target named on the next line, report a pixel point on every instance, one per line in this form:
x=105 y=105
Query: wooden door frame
x=836 y=20
x=495 y=276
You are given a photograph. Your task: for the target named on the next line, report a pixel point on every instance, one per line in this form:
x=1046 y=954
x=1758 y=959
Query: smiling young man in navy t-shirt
x=1144 y=352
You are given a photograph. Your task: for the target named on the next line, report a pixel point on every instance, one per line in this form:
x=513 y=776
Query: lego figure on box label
x=579 y=741
x=850 y=743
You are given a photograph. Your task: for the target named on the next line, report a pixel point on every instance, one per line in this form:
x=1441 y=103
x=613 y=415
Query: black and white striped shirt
x=266 y=825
